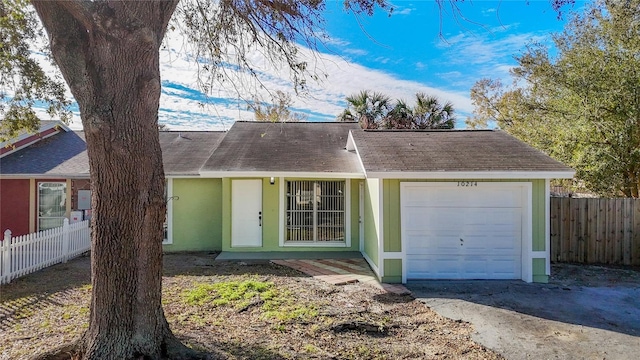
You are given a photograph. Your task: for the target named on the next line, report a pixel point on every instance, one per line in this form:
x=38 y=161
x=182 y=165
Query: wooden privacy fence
x=594 y=231
x=25 y=254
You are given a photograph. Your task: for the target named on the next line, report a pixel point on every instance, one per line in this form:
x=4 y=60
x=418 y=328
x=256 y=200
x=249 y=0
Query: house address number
x=467 y=183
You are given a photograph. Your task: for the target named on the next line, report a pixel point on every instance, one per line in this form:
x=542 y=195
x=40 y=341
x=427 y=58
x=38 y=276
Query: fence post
x=5 y=249
x=65 y=240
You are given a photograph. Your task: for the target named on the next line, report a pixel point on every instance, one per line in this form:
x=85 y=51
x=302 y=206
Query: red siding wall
x=14 y=206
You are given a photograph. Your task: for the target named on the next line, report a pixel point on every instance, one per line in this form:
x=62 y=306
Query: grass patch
x=274 y=303
x=223 y=293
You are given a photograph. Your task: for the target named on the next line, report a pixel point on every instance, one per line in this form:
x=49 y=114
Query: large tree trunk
x=108 y=53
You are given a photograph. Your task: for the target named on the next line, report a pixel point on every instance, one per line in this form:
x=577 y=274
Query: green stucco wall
x=371 y=218
x=391 y=208
x=197 y=215
x=271 y=219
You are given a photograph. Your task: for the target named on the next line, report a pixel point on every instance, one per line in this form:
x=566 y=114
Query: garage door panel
x=461 y=267
x=462 y=233
x=463 y=197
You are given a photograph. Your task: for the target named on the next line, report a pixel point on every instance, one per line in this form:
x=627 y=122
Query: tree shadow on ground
x=390 y=298
x=42 y=288
x=609 y=308
x=59 y=277
x=222 y=350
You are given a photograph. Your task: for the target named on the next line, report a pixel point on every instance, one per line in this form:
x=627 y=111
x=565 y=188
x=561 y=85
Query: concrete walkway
x=341 y=272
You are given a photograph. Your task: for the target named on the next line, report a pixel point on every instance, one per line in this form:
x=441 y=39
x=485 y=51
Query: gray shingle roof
x=454 y=150
x=184 y=153
x=286 y=147
x=301 y=147
x=64 y=154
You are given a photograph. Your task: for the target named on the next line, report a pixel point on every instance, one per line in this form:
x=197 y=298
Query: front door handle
x=260 y=218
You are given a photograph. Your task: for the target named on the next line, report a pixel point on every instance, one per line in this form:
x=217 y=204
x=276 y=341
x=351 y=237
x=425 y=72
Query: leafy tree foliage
x=375 y=110
x=581 y=105
x=23 y=81
x=278 y=110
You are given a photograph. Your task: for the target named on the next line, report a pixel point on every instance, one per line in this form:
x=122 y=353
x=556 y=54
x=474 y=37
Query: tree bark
x=108 y=53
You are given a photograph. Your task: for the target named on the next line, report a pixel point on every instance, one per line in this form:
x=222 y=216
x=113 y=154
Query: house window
x=315 y=211
x=52 y=204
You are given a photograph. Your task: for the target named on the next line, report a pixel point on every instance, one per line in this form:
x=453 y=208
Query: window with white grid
x=315 y=211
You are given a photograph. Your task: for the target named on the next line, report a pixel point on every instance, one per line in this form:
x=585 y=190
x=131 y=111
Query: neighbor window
x=315 y=211
x=52 y=204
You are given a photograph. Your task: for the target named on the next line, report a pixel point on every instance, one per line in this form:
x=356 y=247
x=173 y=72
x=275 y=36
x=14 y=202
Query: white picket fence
x=25 y=254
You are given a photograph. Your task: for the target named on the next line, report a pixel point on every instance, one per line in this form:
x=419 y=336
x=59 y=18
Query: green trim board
x=355 y=213
x=392 y=271
x=197 y=215
x=371 y=220
x=539 y=271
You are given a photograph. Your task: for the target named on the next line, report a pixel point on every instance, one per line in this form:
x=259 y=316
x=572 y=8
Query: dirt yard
x=594 y=275
x=242 y=311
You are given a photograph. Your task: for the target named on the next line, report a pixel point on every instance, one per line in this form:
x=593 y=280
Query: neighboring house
x=443 y=204
x=43 y=177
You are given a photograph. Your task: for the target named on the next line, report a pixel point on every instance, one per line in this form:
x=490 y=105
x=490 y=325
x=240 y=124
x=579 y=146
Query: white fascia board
x=283 y=174
x=355 y=148
x=473 y=175
x=181 y=176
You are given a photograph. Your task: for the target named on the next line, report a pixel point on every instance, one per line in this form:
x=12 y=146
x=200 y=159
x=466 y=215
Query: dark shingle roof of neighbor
x=62 y=154
x=286 y=147
x=65 y=154
x=453 y=150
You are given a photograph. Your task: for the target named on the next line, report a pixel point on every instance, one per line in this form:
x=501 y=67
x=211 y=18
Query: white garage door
x=463 y=230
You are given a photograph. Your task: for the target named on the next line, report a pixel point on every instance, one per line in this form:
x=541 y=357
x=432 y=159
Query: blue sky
x=420 y=47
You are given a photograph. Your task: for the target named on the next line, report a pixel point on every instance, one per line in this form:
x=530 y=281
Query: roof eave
x=286 y=174
x=553 y=174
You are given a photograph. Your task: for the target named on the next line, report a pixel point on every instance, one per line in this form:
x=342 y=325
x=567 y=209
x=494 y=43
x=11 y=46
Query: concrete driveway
x=542 y=321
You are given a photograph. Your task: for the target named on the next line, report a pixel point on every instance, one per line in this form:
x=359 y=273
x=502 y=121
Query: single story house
x=439 y=204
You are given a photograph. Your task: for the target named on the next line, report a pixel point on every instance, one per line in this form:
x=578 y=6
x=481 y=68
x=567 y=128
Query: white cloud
x=183 y=106
x=356 y=52
x=402 y=11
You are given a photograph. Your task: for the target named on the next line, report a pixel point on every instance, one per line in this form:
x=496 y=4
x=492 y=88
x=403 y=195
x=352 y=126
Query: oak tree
x=108 y=54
